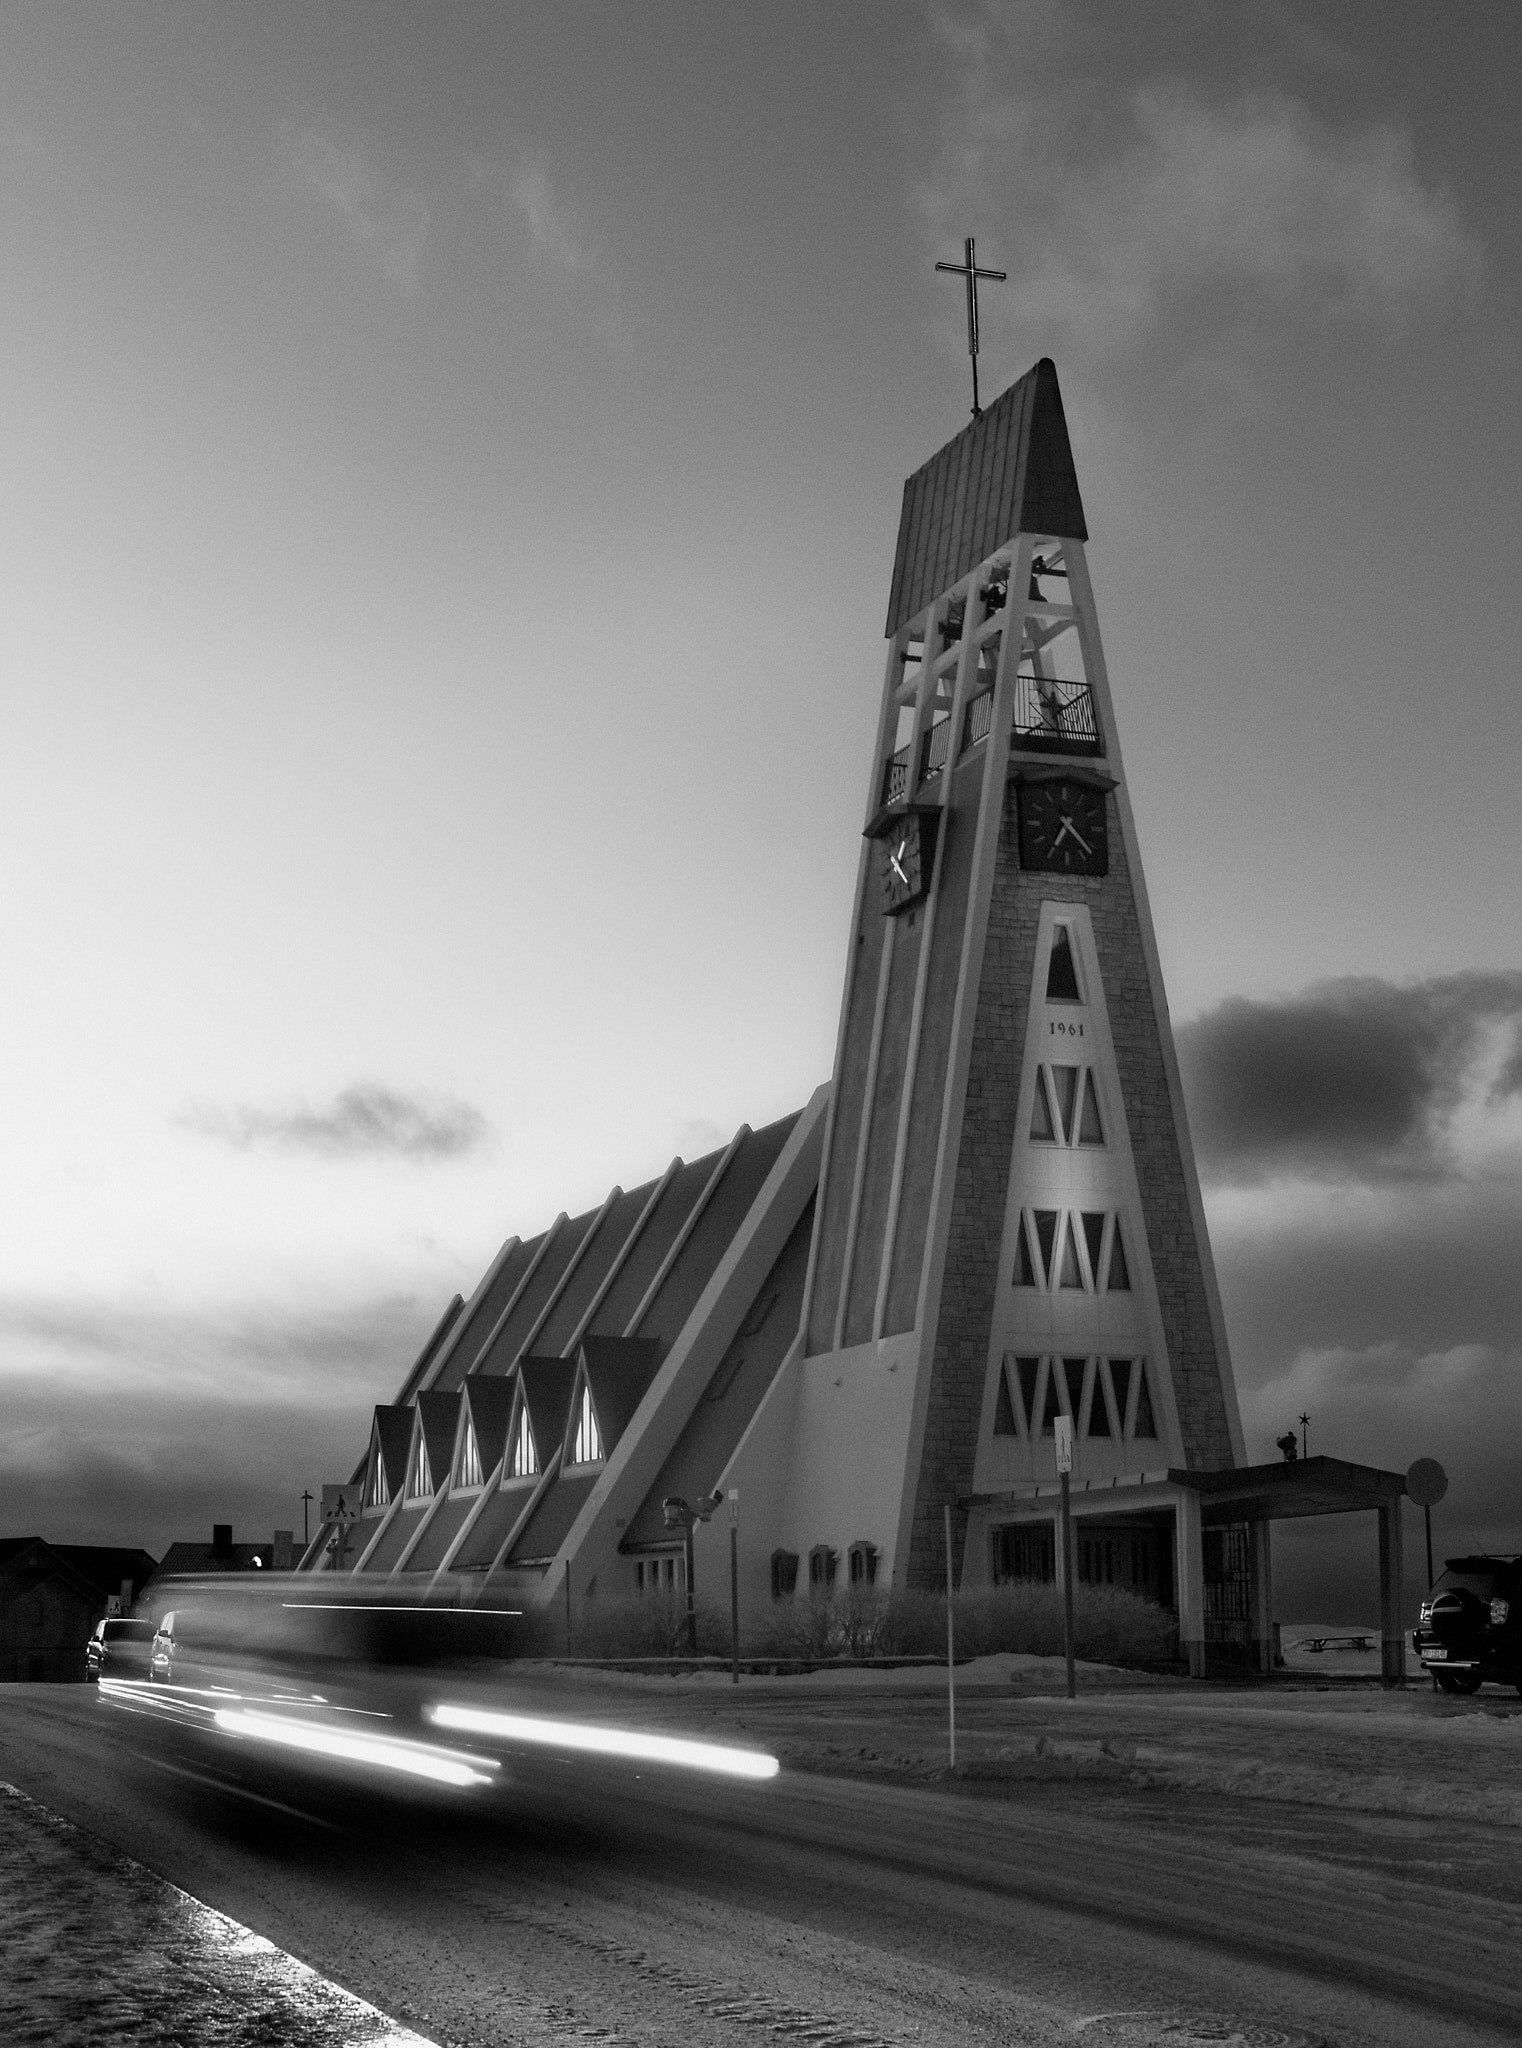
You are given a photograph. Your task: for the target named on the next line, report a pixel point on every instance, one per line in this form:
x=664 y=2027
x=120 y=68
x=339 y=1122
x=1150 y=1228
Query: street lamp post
x=681 y=1515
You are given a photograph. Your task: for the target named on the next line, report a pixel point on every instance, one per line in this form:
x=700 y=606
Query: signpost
x=340 y=1504
x=951 y=1661
x=1426 y=1483
x=734 y=1580
x=1062 y=1426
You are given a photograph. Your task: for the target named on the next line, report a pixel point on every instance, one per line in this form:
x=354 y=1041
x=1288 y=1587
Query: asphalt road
x=826 y=1909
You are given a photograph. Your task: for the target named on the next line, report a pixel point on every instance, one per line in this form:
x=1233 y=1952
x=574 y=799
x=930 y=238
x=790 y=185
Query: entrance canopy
x=1251 y=1494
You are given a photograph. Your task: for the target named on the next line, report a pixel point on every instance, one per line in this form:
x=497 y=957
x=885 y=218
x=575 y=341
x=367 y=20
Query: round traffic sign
x=1426 y=1483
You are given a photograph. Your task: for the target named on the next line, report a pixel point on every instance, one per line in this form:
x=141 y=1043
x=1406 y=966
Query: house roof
x=101 y=1565
x=439 y=1418
x=490 y=1400
x=182 y=1558
x=393 y=1425
x=619 y=1370
x=1010 y=471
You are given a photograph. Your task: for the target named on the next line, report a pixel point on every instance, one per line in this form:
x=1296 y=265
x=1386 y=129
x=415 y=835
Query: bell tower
x=1009 y=1222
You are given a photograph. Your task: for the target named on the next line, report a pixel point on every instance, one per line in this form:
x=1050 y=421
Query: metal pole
x=734 y=1586
x=306 y=1502
x=951 y=1661
x=1067 y=1587
x=692 y=1604
x=1427 y=1518
x=568 y=1607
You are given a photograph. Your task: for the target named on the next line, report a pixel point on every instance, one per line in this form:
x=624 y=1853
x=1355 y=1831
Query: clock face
x=1063 y=828
x=905 y=848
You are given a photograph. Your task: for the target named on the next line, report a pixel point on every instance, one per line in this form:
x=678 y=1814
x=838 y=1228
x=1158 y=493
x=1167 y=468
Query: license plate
x=1433 y=1656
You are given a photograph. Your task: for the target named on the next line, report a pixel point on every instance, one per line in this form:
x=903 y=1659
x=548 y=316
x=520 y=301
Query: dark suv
x=1471 y=1625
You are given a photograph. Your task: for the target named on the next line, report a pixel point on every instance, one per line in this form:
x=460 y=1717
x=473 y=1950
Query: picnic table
x=1316 y=1644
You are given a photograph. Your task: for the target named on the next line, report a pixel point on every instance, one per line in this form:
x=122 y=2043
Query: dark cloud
x=1353 y=1080
x=122 y=1424
x=365 y=1121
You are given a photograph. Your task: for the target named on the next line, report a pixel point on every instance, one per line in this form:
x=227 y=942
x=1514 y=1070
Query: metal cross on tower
x=969 y=269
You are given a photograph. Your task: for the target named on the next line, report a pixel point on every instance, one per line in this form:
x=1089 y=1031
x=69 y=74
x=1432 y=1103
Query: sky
x=452 y=465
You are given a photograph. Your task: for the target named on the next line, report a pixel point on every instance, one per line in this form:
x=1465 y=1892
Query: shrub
x=1110 y=1626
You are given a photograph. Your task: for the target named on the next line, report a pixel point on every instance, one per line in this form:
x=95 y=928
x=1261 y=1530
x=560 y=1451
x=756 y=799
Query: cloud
x=387 y=220
x=363 y=1122
x=1356 y=1080
x=133 y=1422
x=1119 y=205
x=542 y=228
x=552 y=234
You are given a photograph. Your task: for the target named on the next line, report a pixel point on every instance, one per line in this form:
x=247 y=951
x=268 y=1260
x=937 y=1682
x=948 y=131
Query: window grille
x=784 y=1573
x=470 y=1473
x=524 y=1463
x=587 y=1447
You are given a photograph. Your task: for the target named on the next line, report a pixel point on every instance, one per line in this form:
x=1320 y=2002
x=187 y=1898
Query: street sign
x=340 y=1503
x=1063 y=1426
x=1426 y=1482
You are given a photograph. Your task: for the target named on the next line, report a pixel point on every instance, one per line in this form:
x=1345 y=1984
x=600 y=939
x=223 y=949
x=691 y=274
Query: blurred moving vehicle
x=1470 y=1629
x=348 y=1683
x=119 y=1645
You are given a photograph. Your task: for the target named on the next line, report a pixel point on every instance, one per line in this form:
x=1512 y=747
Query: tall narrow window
x=1146 y=1424
x=1094 y=1237
x=1049 y=1401
x=380 y=1486
x=1061 y=972
x=1099 y=1408
x=1004 y=1412
x=1119 y=1279
x=1069 y=1275
x=1042 y=1131
x=524 y=1463
x=587 y=1448
x=1045 y=1221
x=1120 y=1374
x=419 y=1475
x=1065 y=1083
x=470 y=1458
x=1028 y=1374
x=1025 y=1271
x=1090 y=1130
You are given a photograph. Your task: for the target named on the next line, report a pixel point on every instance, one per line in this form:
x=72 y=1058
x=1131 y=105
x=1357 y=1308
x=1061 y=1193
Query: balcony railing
x=1053 y=713
x=934 y=749
x=896 y=775
x=979 y=719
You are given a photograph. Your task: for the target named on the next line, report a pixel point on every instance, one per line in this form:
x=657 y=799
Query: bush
x=1110 y=1626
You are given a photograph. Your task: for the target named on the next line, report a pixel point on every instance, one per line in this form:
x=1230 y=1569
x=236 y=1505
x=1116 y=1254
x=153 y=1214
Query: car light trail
x=594 y=1741
x=385 y=1752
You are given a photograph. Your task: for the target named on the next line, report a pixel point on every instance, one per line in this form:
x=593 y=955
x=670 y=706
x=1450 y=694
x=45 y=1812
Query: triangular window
x=586 y=1449
x=1004 y=1412
x=1069 y=1276
x=524 y=1463
x=1145 y=1424
x=1099 y=1407
x=1119 y=1279
x=419 y=1473
x=1093 y=1237
x=1028 y=1371
x=1090 y=1130
x=1046 y=1236
x=1061 y=973
x=1025 y=1271
x=1049 y=1403
x=1065 y=1084
x=1120 y=1374
x=469 y=1473
x=1042 y=1132
x=378 y=1492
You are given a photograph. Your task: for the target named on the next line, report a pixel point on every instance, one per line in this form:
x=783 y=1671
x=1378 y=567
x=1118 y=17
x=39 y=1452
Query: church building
x=989 y=1219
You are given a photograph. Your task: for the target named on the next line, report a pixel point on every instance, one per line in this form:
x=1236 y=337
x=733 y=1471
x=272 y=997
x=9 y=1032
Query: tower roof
x=1009 y=471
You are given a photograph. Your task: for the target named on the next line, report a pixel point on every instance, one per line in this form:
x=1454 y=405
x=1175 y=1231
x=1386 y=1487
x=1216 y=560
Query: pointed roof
x=548 y=1384
x=619 y=1371
x=439 y=1419
x=393 y=1427
x=1009 y=471
x=490 y=1402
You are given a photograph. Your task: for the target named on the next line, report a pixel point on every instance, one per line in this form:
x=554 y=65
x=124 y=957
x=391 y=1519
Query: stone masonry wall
x=971 y=1279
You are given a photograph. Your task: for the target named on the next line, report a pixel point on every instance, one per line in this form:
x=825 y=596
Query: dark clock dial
x=1063 y=828
x=906 y=846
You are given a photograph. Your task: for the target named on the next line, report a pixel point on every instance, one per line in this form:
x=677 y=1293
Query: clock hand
x=896 y=862
x=1069 y=827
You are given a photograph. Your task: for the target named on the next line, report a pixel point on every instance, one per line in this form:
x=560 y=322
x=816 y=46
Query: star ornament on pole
x=969 y=269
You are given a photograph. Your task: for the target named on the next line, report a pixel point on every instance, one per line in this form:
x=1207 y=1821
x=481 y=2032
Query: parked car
x=1471 y=1624
x=119 y=1648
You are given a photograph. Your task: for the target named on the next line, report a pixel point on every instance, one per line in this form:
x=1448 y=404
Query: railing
x=935 y=748
x=896 y=775
x=1052 y=712
x=979 y=720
